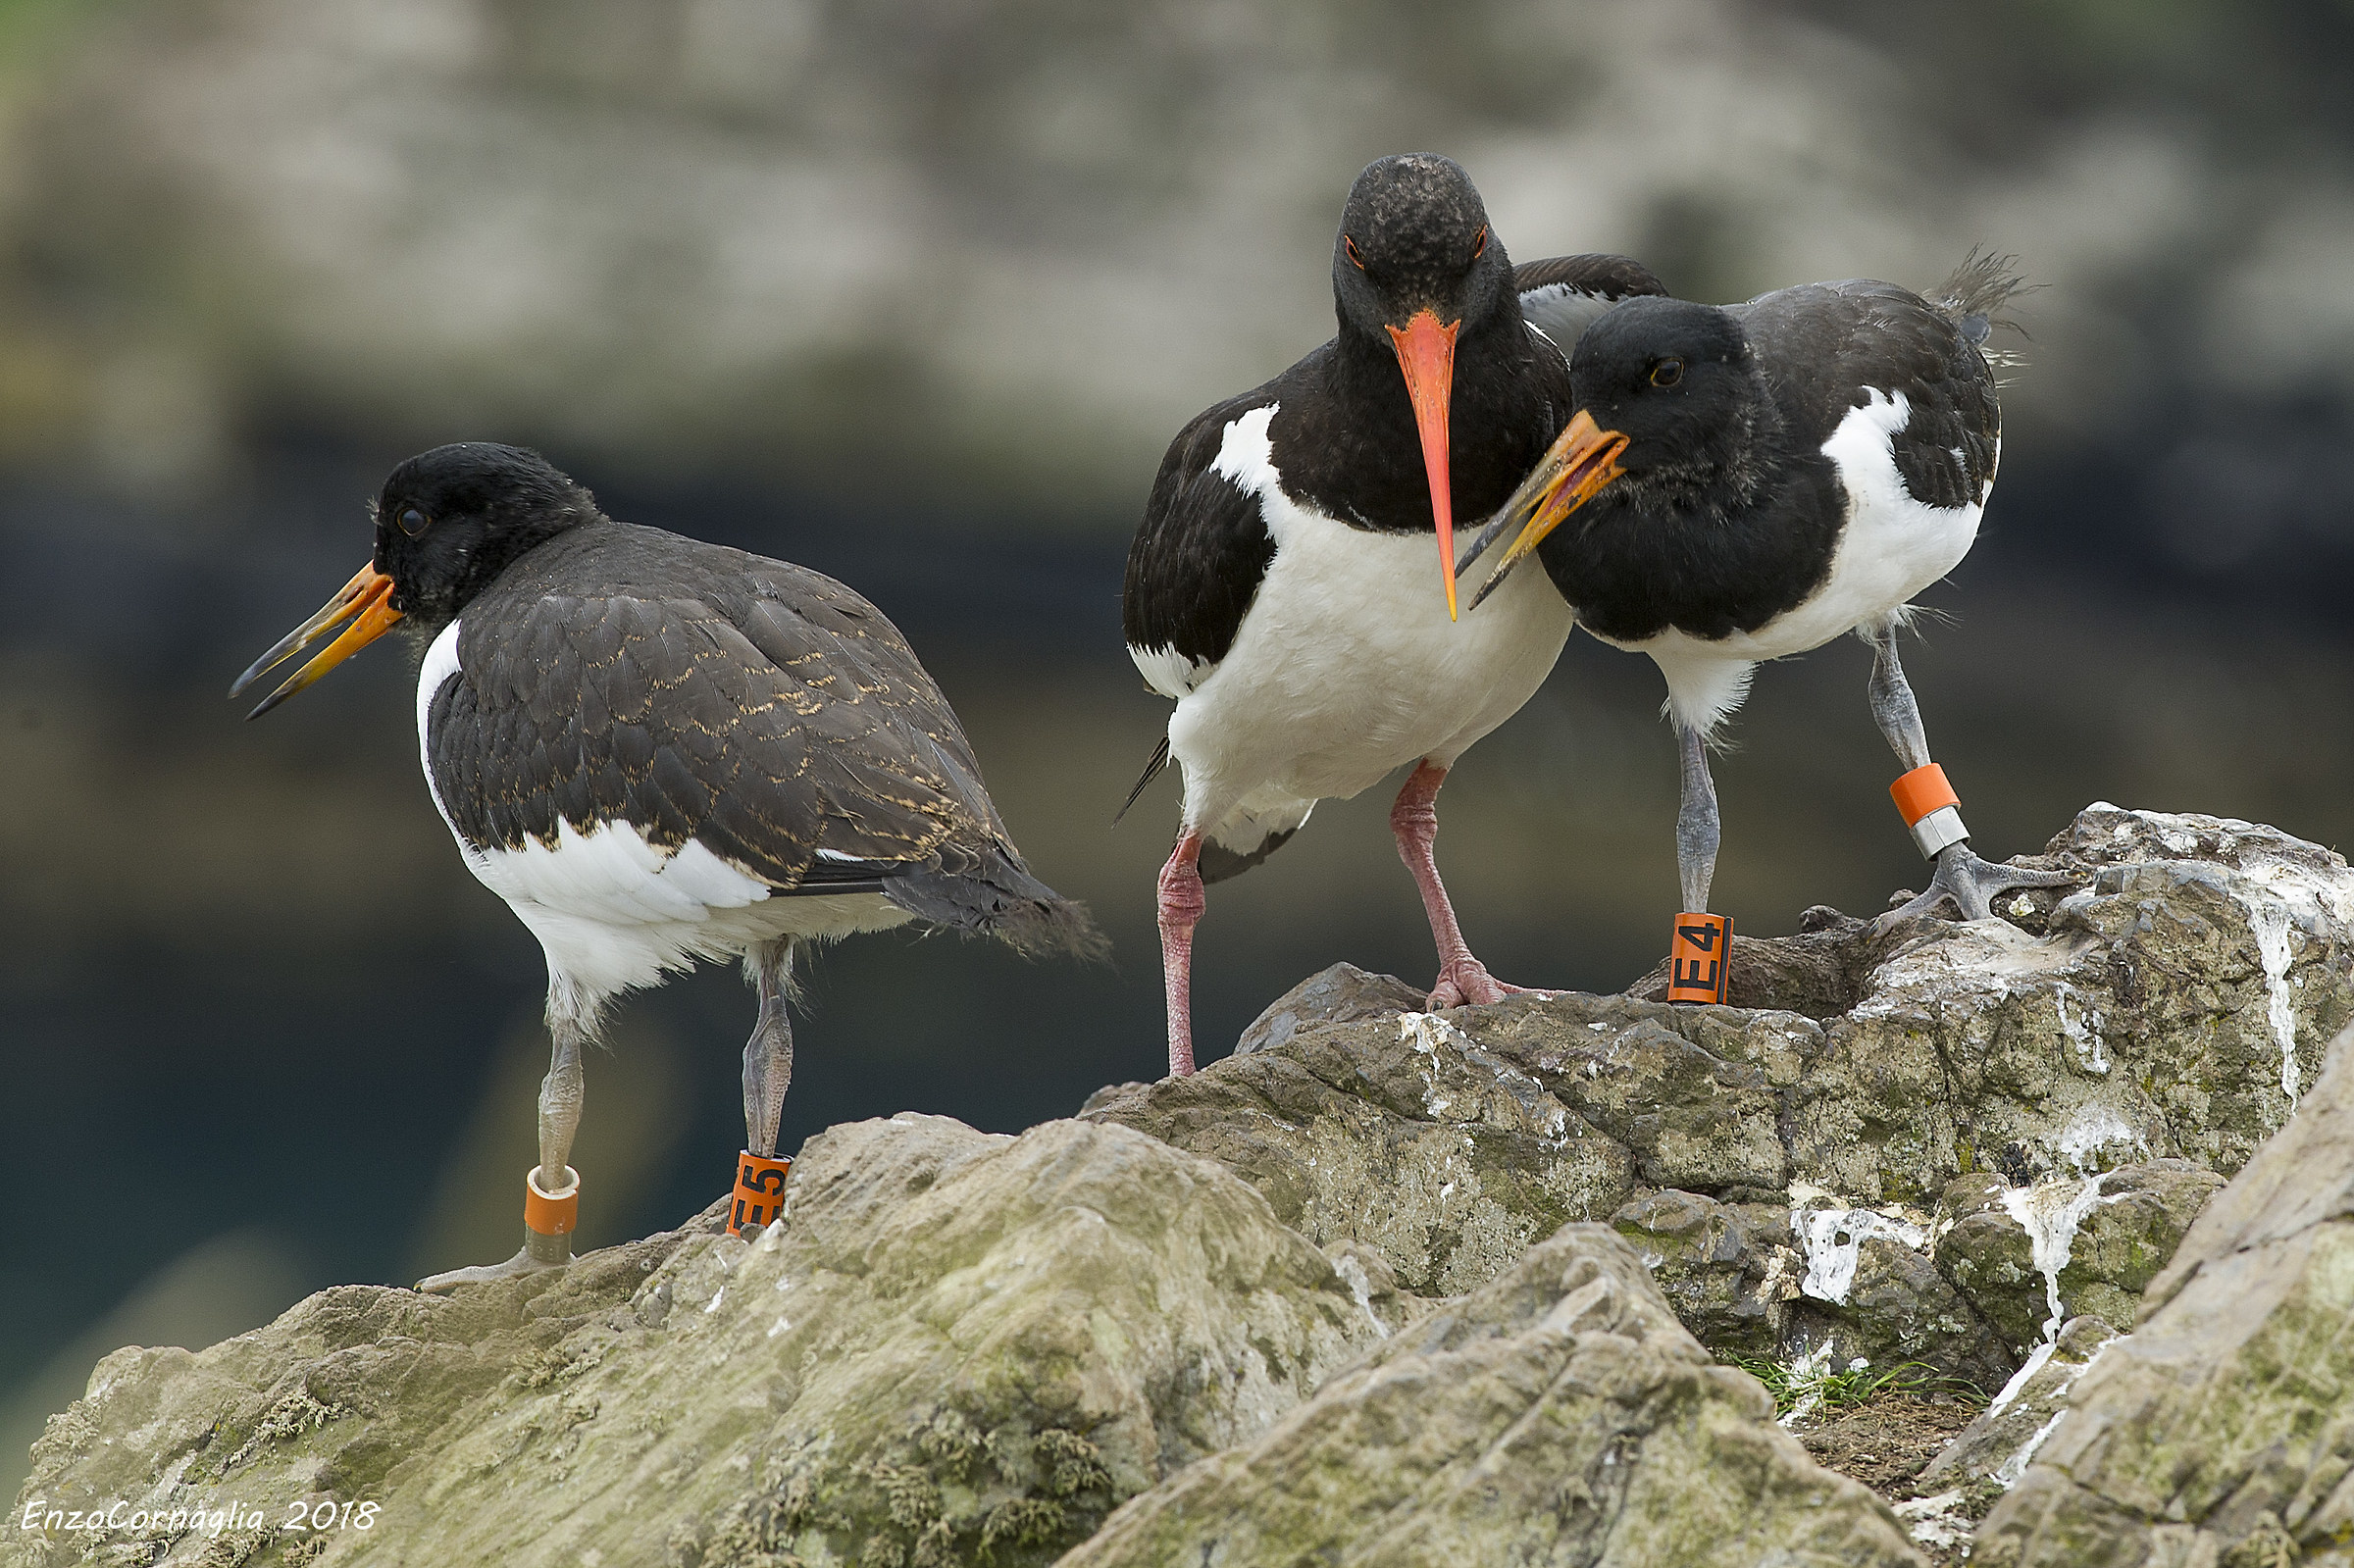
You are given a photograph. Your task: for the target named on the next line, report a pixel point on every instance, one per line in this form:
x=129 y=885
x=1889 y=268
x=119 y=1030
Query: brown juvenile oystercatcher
x=658 y=751
x=1278 y=588
x=1749 y=482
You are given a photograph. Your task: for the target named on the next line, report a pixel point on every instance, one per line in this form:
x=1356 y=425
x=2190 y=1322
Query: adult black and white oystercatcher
x=1749 y=482
x=658 y=751
x=1279 y=585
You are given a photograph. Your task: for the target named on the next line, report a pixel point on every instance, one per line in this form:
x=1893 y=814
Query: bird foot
x=1970 y=883
x=522 y=1263
x=1467 y=983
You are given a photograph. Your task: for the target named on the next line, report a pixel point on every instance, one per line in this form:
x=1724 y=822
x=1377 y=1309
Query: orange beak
x=368 y=597
x=1581 y=460
x=1426 y=354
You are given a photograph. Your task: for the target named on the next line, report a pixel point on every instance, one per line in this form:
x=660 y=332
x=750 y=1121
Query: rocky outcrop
x=2221 y=1430
x=1389 y=1286
x=956 y=1343
x=1560 y=1414
x=1931 y=1143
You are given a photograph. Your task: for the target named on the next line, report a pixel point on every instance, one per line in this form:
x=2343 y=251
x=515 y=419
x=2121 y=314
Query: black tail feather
x=1219 y=862
x=1000 y=898
x=1160 y=760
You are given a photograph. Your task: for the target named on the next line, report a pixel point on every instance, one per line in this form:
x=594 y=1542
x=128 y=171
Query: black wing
x=1561 y=295
x=1197 y=557
x=697 y=693
x=1839 y=342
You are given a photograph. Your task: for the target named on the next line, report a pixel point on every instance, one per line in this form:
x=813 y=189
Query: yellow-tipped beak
x=1581 y=460
x=366 y=601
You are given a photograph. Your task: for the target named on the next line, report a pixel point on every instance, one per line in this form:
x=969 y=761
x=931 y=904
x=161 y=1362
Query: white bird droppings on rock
x=2269 y=920
x=1835 y=1241
x=2019 y=1380
x=2010 y=1469
x=2050 y=1214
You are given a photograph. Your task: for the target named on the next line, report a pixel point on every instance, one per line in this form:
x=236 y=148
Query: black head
x=1678 y=381
x=449 y=521
x=1414 y=269
x=1413 y=237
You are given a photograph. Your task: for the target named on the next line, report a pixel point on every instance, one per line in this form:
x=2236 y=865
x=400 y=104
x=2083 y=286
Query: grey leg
x=768 y=1054
x=560 y=1096
x=1892 y=706
x=1696 y=826
x=561 y=1093
x=1963 y=880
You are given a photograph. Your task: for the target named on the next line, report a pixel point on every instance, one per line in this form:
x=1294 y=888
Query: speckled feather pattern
x=699 y=693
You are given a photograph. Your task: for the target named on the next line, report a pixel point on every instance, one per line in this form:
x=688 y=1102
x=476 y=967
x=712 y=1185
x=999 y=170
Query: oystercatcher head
x=1750 y=482
x=448 y=523
x=1414 y=269
x=658 y=751
x=1278 y=587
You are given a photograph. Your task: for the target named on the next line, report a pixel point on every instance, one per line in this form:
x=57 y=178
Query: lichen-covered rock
x=1894 y=1307
x=1953 y=1145
x=955 y=1343
x=1730 y=1270
x=1558 y=1415
x=2028 y=1258
x=1984 y=1249
x=2221 y=1430
x=1341 y=995
x=2152 y=1025
x=2172 y=1006
x=1401 y=1133
x=1991 y=1454
x=2131 y=1232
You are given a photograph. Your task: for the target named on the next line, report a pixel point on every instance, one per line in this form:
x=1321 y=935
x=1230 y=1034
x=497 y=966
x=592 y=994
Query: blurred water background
x=914 y=291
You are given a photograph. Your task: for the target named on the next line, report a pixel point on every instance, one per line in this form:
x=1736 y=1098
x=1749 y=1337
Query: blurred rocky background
x=914 y=291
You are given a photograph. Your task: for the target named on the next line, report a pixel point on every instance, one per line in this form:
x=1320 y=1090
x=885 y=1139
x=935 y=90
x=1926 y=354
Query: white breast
x=1345 y=666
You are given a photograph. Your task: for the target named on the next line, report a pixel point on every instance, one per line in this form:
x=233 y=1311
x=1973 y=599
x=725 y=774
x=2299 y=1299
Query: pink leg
x=1415 y=819
x=1181 y=904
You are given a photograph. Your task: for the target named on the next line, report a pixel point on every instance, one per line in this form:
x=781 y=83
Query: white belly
x=1347 y=667
x=612 y=911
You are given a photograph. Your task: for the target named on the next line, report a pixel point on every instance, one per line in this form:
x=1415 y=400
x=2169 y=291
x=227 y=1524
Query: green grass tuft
x=1812 y=1386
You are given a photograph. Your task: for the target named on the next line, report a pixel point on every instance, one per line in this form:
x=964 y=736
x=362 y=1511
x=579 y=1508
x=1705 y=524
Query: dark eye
x=1479 y=246
x=1668 y=372
x=1349 y=244
x=412 y=522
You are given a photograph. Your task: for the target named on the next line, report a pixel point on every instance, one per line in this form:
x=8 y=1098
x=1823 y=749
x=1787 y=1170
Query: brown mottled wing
x=759 y=708
x=1849 y=336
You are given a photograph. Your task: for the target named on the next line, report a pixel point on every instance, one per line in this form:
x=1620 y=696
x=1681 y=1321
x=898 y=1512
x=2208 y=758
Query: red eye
x=1349 y=244
x=1479 y=246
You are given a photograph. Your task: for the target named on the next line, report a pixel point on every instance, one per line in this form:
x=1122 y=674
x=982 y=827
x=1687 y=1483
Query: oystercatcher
x=1278 y=587
x=658 y=751
x=1752 y=481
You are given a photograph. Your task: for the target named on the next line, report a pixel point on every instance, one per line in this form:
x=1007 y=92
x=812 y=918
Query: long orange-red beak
x=368 y=597
x=1581 y=460
x=1426 y=354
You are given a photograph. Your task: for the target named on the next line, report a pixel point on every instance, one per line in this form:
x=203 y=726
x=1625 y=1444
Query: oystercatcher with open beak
x=658 y=751
x=1749 y=482
x=1280 y=587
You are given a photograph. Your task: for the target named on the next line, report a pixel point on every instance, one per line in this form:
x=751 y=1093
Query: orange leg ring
x=759 y=1196
x=1930 y=808
x=1700 y=959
